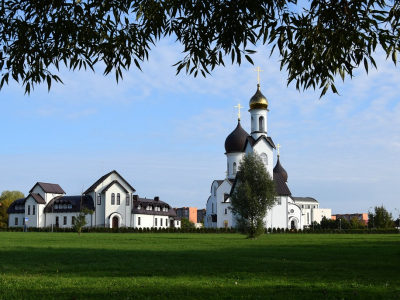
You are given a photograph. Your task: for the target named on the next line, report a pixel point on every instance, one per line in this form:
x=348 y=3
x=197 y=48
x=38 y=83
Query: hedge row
x=333 y=231
x=125 y=230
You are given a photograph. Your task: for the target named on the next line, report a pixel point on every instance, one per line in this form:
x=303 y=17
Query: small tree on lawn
x=253 y=195
x=186 y=223
x=80 y=220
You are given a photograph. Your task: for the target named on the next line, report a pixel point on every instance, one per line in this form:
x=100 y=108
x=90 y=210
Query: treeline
x=203 y=230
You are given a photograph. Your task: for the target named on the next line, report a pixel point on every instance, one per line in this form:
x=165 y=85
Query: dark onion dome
x=279 y=169
x=258 y=100
x=236 y=140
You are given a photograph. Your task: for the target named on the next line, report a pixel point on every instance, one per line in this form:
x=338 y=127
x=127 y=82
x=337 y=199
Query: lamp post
x=398 y=219
x=340 y=224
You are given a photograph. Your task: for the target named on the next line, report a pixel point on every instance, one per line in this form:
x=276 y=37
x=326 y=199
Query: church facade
x=111 y=198
x=288 y=211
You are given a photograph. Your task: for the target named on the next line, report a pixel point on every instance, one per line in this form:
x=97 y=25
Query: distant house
x=111 y=198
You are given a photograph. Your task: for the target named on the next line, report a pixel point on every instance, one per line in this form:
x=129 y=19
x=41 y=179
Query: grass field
x=198 y=266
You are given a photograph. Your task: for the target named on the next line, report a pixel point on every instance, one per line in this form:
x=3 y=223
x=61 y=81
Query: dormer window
x=65 y=206
x=16 y=207
x=56 y=206
x=139 y=206
x=69 y=206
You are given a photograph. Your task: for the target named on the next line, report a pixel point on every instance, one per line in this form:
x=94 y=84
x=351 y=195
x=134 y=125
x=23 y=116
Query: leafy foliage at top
x=6 y=198
x=381 y=218
x=315 y=43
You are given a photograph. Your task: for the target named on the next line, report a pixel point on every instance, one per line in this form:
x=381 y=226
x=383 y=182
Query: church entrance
x=292 y=225
x=115 y=222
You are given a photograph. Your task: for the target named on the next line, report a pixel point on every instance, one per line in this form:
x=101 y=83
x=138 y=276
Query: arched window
x=98 y=199
x=234 y=168
x=33 y=209
x=112 y=199
x=56 y=206
x=252 y=124
x=69 y=206
x=264 y=159
x=65 y=206
x=228 y=168
x=29 y=209
x=261 y=124
x=118 y=199
x=215 y=190
x=212 y=208
x=127 y=199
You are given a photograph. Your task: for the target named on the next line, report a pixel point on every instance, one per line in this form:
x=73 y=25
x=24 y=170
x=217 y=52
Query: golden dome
x=258 y=101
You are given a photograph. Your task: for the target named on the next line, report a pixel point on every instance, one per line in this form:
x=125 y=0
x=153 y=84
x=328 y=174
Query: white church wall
x=116 y=208
x=255 y=117
x=30 y=203
x=20 y=220
x=233 y=158
x=263 y=147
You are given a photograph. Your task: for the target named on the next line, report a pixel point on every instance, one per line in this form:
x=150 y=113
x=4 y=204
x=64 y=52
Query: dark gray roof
x=236 y=140
x=77 y=203
x=11 y=209
x=279 y=169
x=143 y=202
x=253 y=142
x=111 y=184
x=304 y=199
x=38 y=198
x=280 y=185
x=104 y=177
x=49 y=188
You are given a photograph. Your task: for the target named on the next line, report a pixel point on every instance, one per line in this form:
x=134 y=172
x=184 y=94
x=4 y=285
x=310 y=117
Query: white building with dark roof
x=288 y=212
x=111 y=198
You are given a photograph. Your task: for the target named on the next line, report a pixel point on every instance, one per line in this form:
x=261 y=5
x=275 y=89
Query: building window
x=160 y=222
x=155 y=222
x=57 y=222
x=69 y=206
x=112 y=199
x=118 y=199
x=65 y=221
x=308 y=218
x=73 y=221
x=212 y=208
x=234 y=168
x=56 y=206
x=278 y=201
x=29 y=209
x=252 y=124
x=65 y=206
x=302 y=206
x=226 y=211
x=16 y=221
x=227 y=171
x=215 y=190
x=261 y=124
x=166 y=222
x=33 y=209
x=98 y=199
x=264 y=159
x=138 y=220
x=127 y=199
x=177 y=223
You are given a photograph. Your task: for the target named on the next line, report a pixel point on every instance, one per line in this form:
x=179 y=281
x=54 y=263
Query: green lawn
x=198 y=266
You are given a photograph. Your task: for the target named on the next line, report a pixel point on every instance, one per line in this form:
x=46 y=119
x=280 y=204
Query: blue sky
x=165 y=134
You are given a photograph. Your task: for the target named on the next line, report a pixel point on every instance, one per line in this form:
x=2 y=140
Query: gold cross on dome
x=239 y=107
x=278 y=146
x=258 y=70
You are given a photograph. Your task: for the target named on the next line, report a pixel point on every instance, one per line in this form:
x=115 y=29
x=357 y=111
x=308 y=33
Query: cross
x=258 y=70
x=239 y=107
x=278 y=146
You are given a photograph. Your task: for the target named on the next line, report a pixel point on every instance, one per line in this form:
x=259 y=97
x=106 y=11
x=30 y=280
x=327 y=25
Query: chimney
x=156 y=198
x=135 y=197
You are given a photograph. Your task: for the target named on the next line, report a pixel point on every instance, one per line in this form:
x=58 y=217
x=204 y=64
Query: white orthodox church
x=111 y=198
x=288 y=211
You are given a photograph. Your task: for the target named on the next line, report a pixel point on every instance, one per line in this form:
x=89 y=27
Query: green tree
x=80 y=220
x=381 y=218
x=6 y=198
x=186 y=223
x=328 y=223
x=356 y=223
x=254 y=193
x=316 y=40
